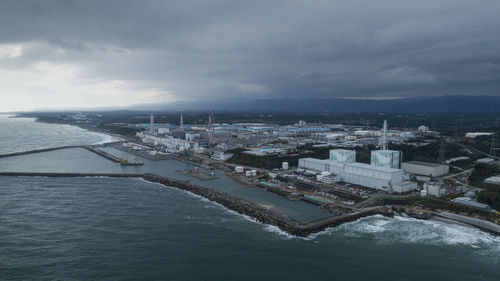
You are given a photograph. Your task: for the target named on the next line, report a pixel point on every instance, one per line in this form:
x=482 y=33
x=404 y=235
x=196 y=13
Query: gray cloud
x=210 y=49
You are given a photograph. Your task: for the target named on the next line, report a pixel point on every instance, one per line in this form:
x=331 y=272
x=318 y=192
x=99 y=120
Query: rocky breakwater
x=233 y=203
x=260 y=213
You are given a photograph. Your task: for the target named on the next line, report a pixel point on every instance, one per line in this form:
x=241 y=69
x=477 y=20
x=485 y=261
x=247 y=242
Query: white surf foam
x=388 y=230
x=410 y=230
x=106 y=139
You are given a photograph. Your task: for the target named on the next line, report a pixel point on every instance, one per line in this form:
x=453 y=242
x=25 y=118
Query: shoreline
x=233 y=203
x=248 y=208
x=118 y=137
x=266 y=216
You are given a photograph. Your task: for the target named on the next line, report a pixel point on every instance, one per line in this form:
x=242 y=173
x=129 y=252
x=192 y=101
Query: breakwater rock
x=262 y=214
x=231 y=202
x=38 y=150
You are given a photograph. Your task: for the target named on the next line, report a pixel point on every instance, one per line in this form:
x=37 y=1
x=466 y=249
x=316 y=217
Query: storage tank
x=253 y=172
x=248 y=173
x=239 y=169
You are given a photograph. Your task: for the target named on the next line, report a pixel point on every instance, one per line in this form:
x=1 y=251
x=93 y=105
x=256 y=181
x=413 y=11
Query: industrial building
x=434 y=189
x=382 y=178
x=343 y=155
x=386 y=158
x=372 y=176
x=426 y=168
x=170 y=143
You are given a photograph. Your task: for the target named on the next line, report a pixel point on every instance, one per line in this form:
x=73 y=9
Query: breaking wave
x=388 y=230
x=409 y=230
x=105 y=138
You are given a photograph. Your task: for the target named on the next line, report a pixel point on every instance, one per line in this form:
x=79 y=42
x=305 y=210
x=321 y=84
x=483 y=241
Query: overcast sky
x=56 y=54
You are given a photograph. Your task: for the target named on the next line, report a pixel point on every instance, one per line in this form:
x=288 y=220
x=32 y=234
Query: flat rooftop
x=372 y=167
x=428 y=164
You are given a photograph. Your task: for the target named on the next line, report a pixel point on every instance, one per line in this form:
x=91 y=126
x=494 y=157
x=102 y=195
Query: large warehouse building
x=426 y=168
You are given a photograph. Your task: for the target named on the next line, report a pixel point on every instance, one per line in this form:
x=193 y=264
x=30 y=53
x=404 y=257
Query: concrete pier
x=39 y=150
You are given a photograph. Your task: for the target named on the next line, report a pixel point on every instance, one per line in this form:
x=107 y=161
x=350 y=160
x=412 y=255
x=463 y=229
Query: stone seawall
x=68 y=175
x=262 y=214
x=231 y=202
x=39 y=150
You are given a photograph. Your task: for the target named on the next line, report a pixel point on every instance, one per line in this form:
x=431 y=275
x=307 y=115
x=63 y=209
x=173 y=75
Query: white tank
x=248 y=173
x=253 y=172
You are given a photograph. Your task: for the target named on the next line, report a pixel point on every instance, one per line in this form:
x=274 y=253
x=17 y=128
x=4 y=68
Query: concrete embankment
x=103 y=154
x=68 y=175
x=87 y=147
x=39 y=150
x=231 y=202
x=322 y=224
x=478 y=223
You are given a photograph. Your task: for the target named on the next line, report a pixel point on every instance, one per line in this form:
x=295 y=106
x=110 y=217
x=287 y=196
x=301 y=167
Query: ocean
x=98 y=228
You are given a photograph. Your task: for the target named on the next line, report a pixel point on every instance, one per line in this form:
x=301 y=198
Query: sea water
x=98 y=228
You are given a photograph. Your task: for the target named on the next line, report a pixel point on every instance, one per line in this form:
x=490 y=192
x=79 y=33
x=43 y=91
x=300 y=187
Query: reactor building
x=386 y=158
x=342 y=155
x=342 y=164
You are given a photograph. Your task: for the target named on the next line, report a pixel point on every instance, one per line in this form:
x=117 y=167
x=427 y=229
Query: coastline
x=261 y=214
x=233 y=203
x=251 y=209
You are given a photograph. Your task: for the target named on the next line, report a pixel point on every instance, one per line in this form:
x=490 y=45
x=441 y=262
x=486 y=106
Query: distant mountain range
x=441 y=104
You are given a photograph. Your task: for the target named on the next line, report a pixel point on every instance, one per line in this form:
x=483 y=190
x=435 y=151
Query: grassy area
x=264 y=162
x=274 y=161
x=491 y=198
x=444 y=204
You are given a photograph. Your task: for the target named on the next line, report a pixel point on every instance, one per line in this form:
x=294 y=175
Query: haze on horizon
x=61 y=54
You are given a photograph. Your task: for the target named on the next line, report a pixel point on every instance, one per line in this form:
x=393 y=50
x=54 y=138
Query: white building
x=405 y=186
x=284 y=165
x=221 y=155
x=386 y=158
x=382 y=178
x=191 y=137
x=426 y=168
x=372 y=176
x=434 y=188
x=423 y=129
x=366 y=133
x=163 y=131
x=343 y=155
x=170 y=143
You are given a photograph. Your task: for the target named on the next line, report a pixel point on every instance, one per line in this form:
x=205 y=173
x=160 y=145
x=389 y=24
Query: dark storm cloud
x=209 y=49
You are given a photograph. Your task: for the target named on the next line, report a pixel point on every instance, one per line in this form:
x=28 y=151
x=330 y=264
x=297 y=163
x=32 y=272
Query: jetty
x=90 y=148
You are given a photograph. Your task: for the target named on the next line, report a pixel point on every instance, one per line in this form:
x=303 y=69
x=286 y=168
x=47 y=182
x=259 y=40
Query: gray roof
x=428 y=164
